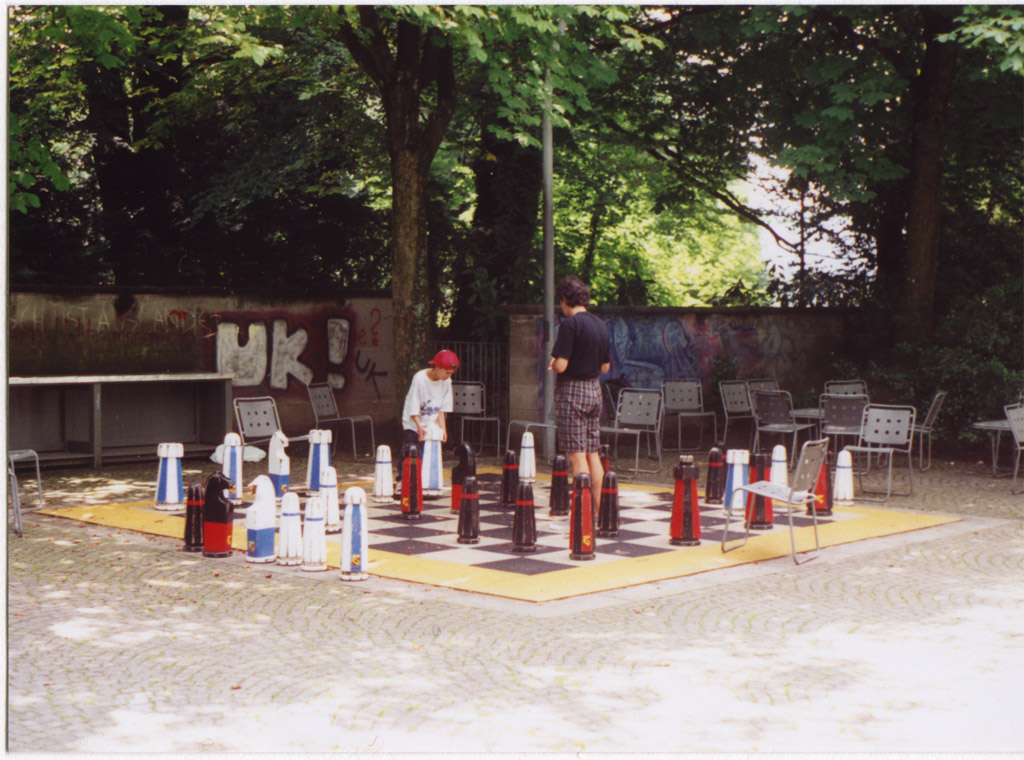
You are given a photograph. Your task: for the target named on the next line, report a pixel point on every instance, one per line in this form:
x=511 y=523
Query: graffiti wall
x=651 y=346
x=271 y=347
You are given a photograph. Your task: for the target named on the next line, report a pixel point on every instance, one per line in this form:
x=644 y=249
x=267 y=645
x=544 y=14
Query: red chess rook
x=581 y=521
x=559 y=501
x=759 y=515
x=714 y=485
x=684 y=530
x=412 y=486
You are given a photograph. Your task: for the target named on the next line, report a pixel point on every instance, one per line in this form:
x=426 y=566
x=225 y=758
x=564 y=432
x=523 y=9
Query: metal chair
x=886 y=430
x=760 y=384
x=12 y=482
x=325 y=411
x=841 y=416
x=846 y=388
x=1015 y=416
x=800 y=491
x=258 y=421
x=526 y=425
x=637 y=413
x=773 y=413
x=469 y=402
x=25 y=455
x=685 y=398
x=735 y=402
x=925 y=429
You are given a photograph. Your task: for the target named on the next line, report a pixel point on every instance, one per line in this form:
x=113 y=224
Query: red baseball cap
x=445 y=360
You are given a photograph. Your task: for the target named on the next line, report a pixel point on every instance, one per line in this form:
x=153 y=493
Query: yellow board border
x=557 y=584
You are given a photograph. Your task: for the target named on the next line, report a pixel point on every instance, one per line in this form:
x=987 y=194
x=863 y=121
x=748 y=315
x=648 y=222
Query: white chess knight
x=319 y=458
x=383 y=477
x=289 y=535
x=278 y=464
x=354 y=538
x=842 y=490
x=527 y=460
x=431 y=468
x=259 y=522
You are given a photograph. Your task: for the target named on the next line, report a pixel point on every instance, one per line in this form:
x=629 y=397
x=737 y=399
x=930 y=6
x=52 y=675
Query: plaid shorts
x=577 y=415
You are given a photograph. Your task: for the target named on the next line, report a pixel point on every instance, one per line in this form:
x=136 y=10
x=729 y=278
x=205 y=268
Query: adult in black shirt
x=581 y=353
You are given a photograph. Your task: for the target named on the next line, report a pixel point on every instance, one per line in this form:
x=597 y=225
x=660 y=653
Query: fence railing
x=486 y=363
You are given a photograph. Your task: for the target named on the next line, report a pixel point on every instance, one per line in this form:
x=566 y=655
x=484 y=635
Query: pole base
x=685 y=542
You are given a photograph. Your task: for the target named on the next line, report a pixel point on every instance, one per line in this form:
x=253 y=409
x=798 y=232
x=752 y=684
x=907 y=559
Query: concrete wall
x=650 y=345
x=273 y=346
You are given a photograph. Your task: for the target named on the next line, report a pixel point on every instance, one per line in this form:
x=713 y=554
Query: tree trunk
x=924 y=217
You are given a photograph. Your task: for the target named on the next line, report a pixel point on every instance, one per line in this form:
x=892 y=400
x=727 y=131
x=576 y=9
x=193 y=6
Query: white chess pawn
x=289 y=538
x=432 y=471
x=314 y=543
x=383 y=477
x=780 y=466
x=319 y=458
x=842 y=491
x=329 y=496
x=527 y=460
x=232 y=467
x=170 y=488
x=354 y=538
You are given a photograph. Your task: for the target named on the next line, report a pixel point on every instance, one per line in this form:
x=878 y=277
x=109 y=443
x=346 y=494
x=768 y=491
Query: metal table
x=995 y=430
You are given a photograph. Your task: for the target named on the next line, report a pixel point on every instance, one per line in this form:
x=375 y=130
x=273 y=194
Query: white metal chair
x=846 y=388
x=773 y=413
x=799 y=492
x=841 y=416
x=469 y=402
x=760 y=384
x=526 y=425
x=684 y=399
x=258 y=421
x=25 y=455
x=325 y=411
x=638 y=413
x=12 y=483
x=1015 y=416
x=925 y=429
x=735 y=403
x=886 y=430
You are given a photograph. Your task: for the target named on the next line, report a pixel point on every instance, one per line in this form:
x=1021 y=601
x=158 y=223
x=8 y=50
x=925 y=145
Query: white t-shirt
x=426 y=399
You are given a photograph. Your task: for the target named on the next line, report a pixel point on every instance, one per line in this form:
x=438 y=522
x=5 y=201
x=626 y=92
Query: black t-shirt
x=583 y=340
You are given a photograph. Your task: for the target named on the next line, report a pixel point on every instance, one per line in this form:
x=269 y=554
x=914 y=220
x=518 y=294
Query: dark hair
x=573 y=290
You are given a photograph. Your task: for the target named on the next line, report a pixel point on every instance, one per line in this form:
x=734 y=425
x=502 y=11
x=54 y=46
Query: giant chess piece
x=355 y=552
x=259 y=523
x=194 y=518
x=608 y=511
x=412 y=487
x=232 y=466
x=509 y=480
x=383 y=477
x=218 y=517
x=527 y=459
x=558 y=505
x=684 y=530
x=524 y=522
x=464 y=468
x=170 y=487
x=289 y=534
x=581 y=521
x=760 y=514
x=714 y=485
x=469 y=512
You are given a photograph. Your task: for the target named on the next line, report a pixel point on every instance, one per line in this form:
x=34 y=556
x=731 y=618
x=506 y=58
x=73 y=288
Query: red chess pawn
x=760 y=514
x=524 y=522
x=412 y=485
x=581 y=523
x=822 y=504
x=714 y=488
x=685 y=526
x=469 y=512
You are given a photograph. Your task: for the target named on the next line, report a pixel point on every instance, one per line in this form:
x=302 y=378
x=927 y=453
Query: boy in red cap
x=428 y=400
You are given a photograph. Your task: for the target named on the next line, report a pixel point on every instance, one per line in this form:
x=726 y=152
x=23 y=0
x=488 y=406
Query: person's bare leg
x=596 y=477
x=589 y=463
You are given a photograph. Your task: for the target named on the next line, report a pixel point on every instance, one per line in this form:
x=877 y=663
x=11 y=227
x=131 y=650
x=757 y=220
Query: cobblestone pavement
x=119 y=642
